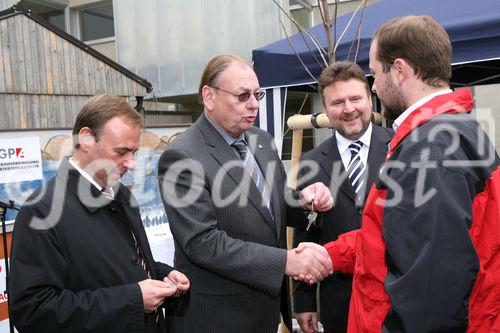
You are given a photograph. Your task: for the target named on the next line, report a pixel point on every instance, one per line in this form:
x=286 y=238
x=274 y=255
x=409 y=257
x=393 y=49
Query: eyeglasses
x=245 y=96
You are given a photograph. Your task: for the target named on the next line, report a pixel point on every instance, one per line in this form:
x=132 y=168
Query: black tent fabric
x=473 y=26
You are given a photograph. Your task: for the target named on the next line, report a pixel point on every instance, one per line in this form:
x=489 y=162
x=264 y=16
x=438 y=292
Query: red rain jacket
x=427 y=257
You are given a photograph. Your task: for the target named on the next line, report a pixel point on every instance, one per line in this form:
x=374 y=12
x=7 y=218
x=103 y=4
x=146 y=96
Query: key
x=312 y=214
x=312 y=218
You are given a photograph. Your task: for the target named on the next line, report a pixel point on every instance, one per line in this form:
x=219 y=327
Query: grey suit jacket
x=233 y=251
x=335 y=291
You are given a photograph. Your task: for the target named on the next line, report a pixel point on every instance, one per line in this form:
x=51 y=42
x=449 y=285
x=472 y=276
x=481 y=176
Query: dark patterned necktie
x=356 y=167
x=254 y=171
x=140 y=256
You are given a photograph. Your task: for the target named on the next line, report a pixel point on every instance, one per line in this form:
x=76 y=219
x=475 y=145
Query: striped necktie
x=254 y=171
x=140 y=256
x=356 y=167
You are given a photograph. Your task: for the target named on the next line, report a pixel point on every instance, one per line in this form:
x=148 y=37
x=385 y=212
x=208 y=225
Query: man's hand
x=308 y=321
x=320 y=194
x=154 y=293
x=179 y=280
x=308 y=277
x=308 y=262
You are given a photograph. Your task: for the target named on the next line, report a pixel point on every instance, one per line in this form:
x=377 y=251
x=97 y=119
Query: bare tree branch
x=357 y=37
x=320 y=49
x=313 y=38
x=296 y=53
x=321 y=12
x=359 y=30
x=334 y=39
x=290 y=17
x=347 y=26
x=328 y=30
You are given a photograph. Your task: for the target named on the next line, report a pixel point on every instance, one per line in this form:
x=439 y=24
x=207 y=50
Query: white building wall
x=168 y=42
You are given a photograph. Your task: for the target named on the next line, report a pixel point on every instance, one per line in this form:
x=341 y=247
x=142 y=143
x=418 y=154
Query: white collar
x=343 y=143
x=109 y=191
x=399 y=120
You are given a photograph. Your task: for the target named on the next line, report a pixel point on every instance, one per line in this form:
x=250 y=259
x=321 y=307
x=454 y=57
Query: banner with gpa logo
x=20 y=159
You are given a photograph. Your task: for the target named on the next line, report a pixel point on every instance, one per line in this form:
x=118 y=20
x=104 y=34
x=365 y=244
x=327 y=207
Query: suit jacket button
x=360 y=212
x=113 y=209
x=135 y=260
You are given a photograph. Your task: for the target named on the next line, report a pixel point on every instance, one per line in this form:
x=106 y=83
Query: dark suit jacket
x=233 y=253
x=335 y=291
x=76 y=269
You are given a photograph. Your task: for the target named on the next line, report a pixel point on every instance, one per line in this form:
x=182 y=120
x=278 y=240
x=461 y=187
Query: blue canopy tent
x=473 y=26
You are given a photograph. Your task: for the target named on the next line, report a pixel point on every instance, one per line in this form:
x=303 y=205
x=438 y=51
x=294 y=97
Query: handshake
x=308 y=262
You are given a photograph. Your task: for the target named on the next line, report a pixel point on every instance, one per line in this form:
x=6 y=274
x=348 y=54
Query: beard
x=393 y=111
x=353 y=133
x=392 y=101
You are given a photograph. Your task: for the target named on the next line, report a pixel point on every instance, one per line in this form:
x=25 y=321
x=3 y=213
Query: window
x=53 y=15
x=96 y=23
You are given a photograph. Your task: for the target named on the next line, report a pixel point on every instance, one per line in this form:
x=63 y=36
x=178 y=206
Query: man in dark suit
x=223 y=187
x=347 y=103
x=81 y=261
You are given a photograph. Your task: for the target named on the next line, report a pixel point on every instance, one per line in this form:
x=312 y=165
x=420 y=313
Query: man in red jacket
x=427 y=256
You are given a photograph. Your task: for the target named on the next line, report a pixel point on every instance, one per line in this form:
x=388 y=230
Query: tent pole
x=292 y=182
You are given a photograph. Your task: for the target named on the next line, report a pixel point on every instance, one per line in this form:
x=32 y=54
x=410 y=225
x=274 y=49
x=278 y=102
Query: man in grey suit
x=223 y=187
x=347 y=103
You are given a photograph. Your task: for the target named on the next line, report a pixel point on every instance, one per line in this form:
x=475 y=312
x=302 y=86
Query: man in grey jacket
x=223 y=187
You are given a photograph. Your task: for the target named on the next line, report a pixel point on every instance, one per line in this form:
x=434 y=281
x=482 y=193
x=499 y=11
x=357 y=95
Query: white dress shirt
x=343 y=146
x=108 y=192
